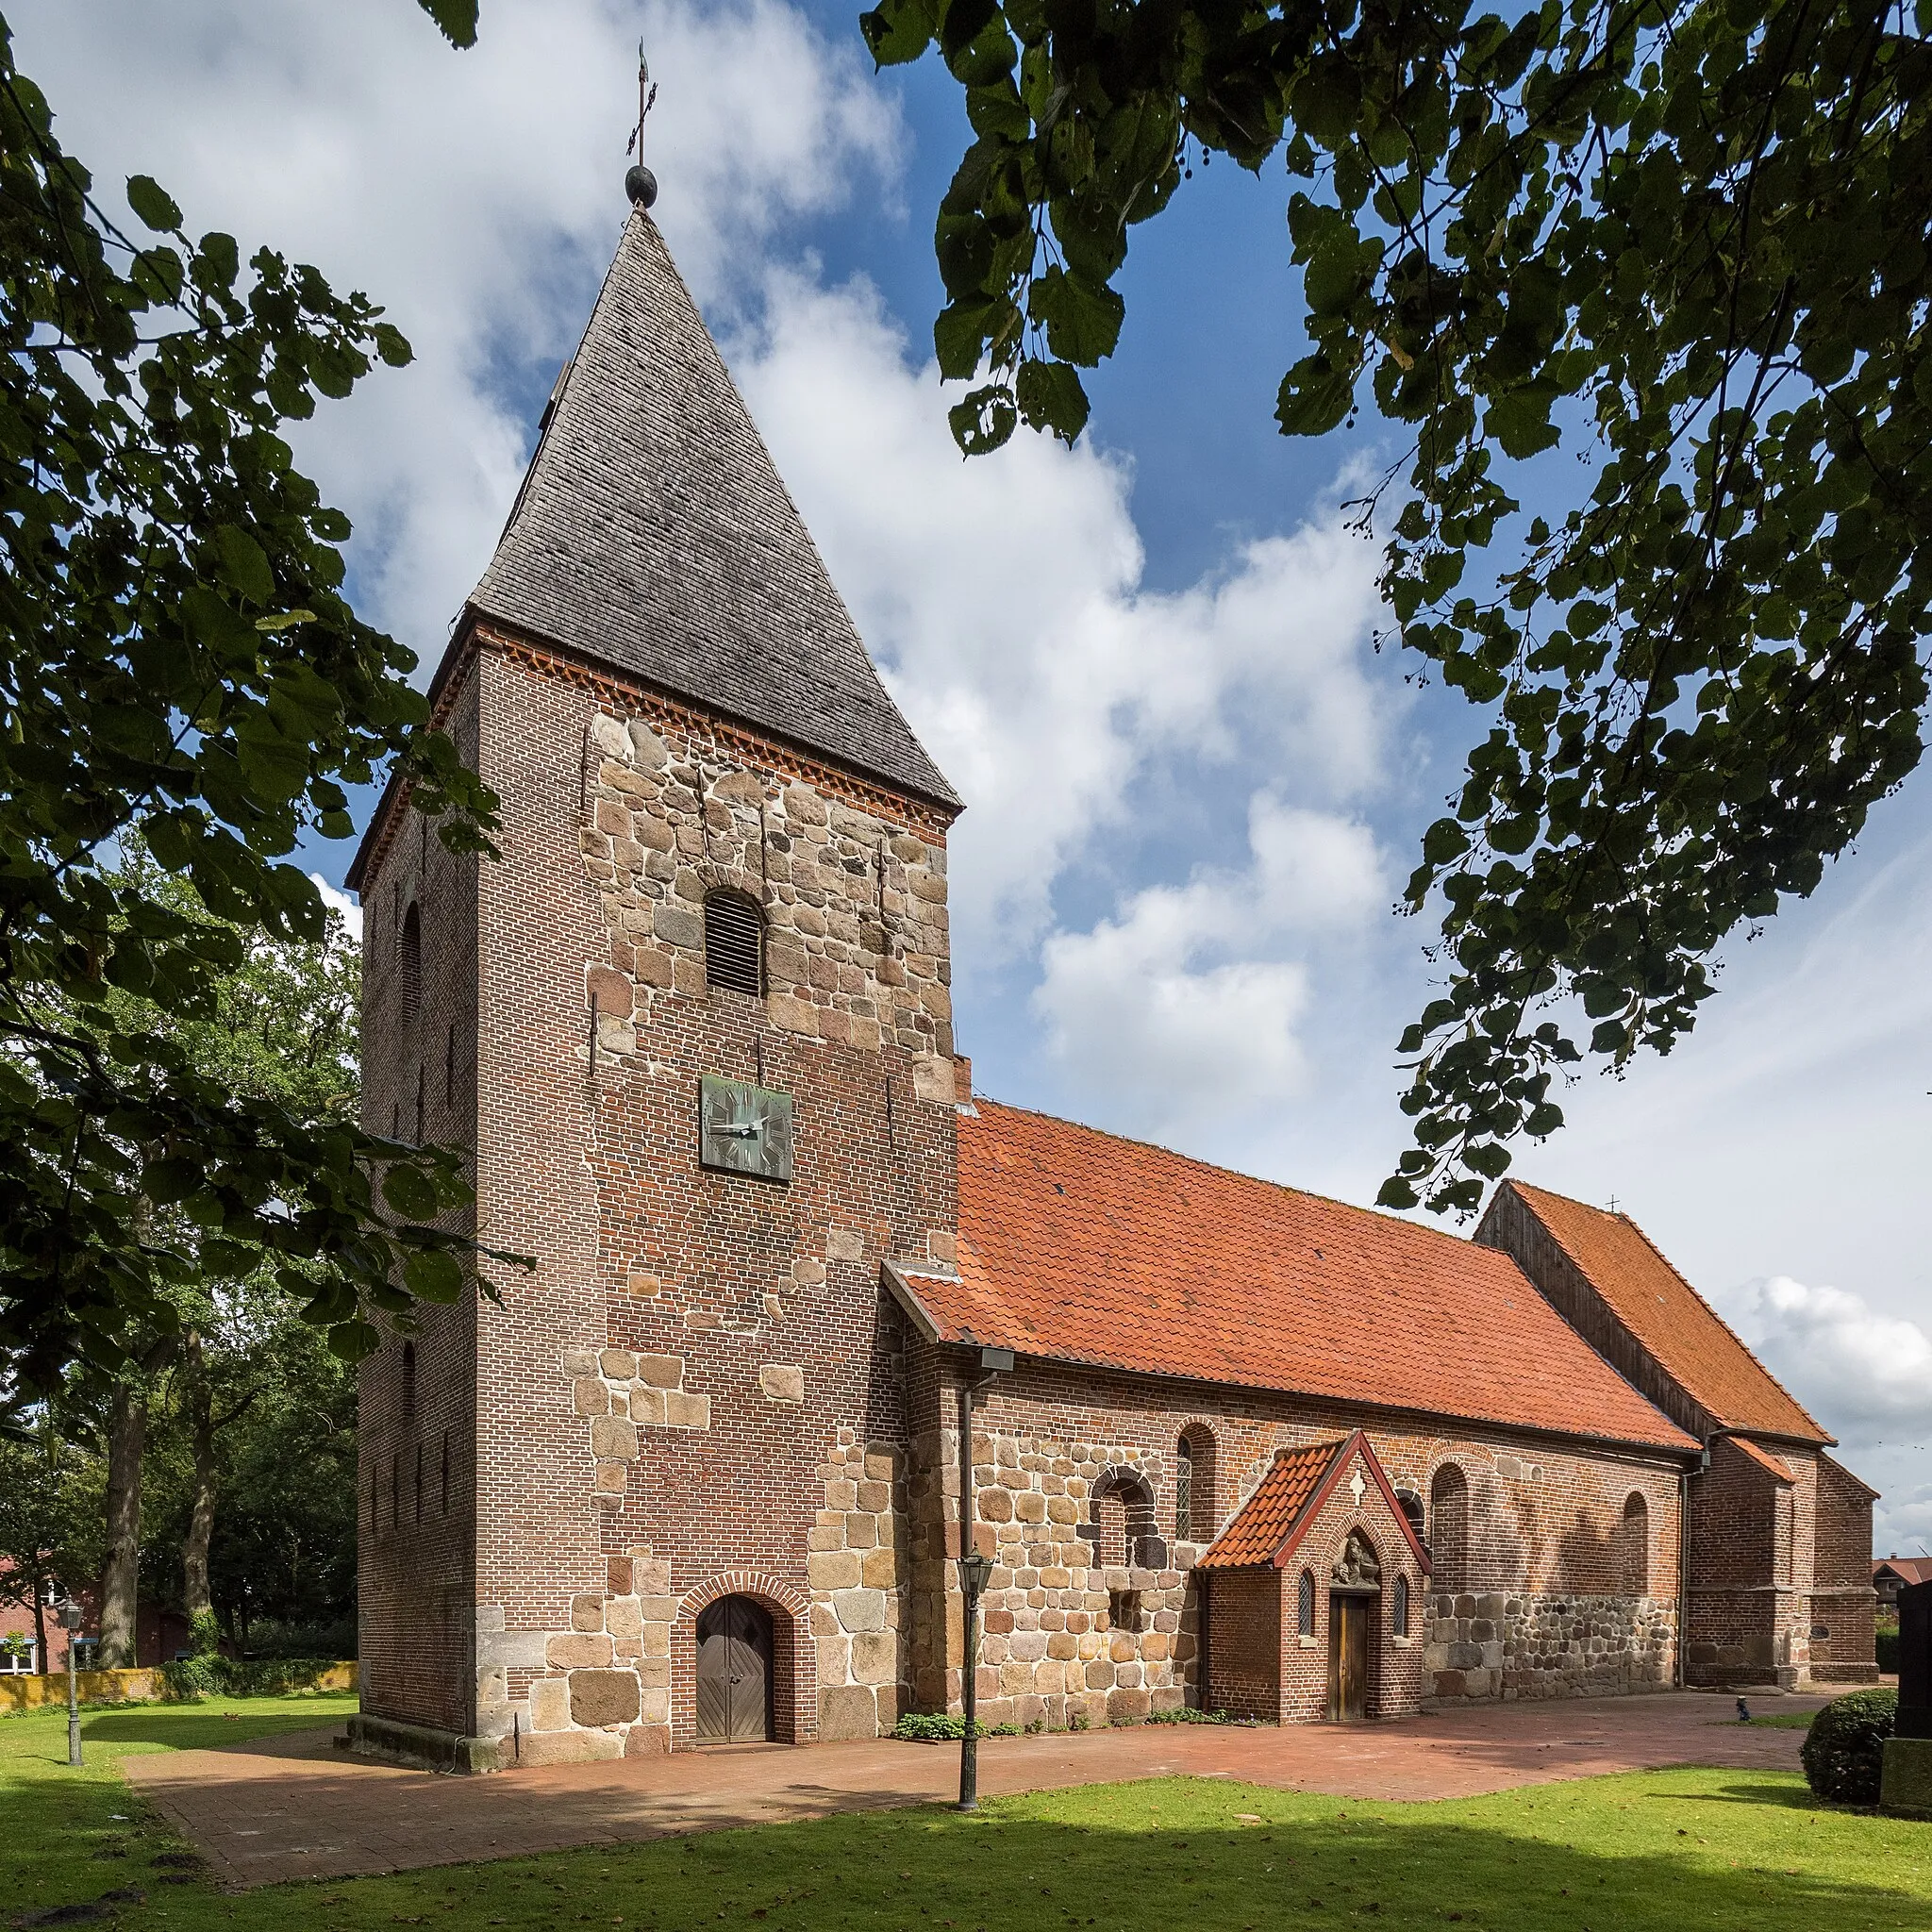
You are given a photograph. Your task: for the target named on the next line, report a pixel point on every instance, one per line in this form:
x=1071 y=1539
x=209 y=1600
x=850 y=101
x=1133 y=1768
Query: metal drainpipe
x=1680 y=1675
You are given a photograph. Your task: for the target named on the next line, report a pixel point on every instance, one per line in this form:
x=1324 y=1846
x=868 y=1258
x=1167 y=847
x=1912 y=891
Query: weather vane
x=640 y=183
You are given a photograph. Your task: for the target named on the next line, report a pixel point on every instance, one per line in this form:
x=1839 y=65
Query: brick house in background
x=1890 y=1575
x=159 y=1635
x=700 y=1475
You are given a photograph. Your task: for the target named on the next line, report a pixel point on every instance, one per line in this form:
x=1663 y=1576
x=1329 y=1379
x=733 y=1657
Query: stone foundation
x=1507 y=1645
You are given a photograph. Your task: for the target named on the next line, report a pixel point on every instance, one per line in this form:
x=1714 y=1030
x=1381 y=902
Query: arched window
x=1633 y=1547
x=1449 y=1529
x=1304 y=1605
x=1412 y=1508
x=409 y=967
x=1196 y=1518
x=1398 y=1608
x=734 y=943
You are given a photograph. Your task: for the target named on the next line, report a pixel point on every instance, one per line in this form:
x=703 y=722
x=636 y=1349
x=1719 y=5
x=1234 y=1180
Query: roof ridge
x=1684 y=1281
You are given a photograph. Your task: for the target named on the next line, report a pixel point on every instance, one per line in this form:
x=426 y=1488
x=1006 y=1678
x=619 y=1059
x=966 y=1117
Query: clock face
x=745 y=1129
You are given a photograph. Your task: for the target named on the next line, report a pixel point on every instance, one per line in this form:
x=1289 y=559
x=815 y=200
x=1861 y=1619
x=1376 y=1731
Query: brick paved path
x=293 y=1807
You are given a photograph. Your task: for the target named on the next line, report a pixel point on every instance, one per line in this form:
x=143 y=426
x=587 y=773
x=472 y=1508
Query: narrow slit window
x=1304 y=1605
x=734 y=943
x=410 y=968
x=1398 y=1614
x=1183 y=1489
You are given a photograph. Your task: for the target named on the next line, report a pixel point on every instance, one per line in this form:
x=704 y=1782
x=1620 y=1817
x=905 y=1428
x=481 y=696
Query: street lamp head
x=70 y=1615
x=974 y=1568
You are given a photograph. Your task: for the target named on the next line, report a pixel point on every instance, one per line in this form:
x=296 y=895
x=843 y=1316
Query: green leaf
x=984 y=421
x=407 y=1191
x=1313 y=399
x=899 y=30
x=1520 y=421
x=1051 y=397
x=393 y=345
x=245 y=565
x=153 y=204
x=1083 y=321
x=432 y=1274
x=455 y=19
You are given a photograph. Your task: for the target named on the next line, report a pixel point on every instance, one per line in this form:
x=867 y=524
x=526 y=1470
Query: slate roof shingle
x=1079 y=1246
x=1688 y=1337
x=653 y=534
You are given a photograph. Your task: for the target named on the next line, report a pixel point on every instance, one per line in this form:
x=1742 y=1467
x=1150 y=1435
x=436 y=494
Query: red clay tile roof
x=1908 y=1569
x=1288 y=1498
x=1670 y=1318
x=1765 y=1460
x=1262 y=1525
x=1081 y=1247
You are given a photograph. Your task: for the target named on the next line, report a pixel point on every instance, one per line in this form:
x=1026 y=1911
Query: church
x=809 y=1318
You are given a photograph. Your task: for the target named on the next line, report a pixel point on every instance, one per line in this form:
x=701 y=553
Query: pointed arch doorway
x=734 y=1675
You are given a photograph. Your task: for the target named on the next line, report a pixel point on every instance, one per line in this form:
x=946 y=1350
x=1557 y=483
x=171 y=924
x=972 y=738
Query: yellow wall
x=126 y=1686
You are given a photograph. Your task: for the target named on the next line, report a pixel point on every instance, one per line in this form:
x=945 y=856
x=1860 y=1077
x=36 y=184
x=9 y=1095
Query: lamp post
x=974 y=1568
x=70 y=1615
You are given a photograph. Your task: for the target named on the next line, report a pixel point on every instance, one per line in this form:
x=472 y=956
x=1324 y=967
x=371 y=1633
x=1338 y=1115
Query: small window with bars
x=1398 y=1612
x=1304 y=1605
x=734 y=943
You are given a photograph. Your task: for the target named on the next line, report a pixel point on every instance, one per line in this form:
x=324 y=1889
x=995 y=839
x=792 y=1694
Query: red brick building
x=700 y=1475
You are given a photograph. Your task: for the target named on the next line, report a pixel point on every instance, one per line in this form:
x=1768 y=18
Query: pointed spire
x=653 y=534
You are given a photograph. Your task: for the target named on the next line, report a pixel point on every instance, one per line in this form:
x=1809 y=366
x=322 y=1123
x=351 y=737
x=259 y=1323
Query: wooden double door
x=1350 y=1620
x=733 y=1672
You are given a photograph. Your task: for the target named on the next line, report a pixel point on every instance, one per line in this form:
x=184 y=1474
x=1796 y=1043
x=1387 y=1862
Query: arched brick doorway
x=733 y=1672
x=791 y=1671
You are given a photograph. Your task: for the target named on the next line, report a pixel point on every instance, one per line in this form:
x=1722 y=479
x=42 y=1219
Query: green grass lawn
x=1652 y=1852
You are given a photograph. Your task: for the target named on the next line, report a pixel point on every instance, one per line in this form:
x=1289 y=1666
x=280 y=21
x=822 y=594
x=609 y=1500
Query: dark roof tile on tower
x=653 y=534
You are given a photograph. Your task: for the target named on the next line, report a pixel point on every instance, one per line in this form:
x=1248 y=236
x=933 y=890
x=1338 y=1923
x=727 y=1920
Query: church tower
x=695 y=1023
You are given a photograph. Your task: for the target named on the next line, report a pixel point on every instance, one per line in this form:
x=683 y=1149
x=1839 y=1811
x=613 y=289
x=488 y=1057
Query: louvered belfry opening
x=734 y=943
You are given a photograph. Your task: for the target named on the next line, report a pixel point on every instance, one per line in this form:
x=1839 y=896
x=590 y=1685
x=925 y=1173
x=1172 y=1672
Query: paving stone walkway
x=295 y=1806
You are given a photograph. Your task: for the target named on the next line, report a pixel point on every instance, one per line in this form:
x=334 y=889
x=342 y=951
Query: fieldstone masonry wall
x=1502 y=1644
x=856 y=906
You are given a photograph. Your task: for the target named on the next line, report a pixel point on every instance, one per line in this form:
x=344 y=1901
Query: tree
x=281 y=1030
x=1683 y=239
x=178 y=665
x=50 y=1523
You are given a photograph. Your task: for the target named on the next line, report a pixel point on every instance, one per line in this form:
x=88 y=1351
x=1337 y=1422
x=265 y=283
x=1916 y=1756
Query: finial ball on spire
x=641 y=186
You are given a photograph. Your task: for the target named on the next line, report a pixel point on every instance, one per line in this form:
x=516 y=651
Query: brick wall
x=1844 y=1605
x=699 y=1389
x=417 y=1396
x=1547 y=1518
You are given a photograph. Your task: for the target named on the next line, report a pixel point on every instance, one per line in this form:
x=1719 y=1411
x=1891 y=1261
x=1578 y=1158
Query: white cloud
x=477 y=195
x=1005 y=600
x=1867 y=1375
x=344 y=902
x=1179 y=1012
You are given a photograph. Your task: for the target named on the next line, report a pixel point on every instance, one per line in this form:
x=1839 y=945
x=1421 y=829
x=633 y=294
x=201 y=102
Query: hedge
x=1843 y=1753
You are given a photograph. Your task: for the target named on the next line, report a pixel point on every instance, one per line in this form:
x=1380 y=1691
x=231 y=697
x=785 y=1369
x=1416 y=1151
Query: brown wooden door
x=733 y=1672
x=1348 y=1657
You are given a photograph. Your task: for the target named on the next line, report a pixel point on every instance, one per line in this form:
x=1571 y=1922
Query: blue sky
x=1193 y=787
